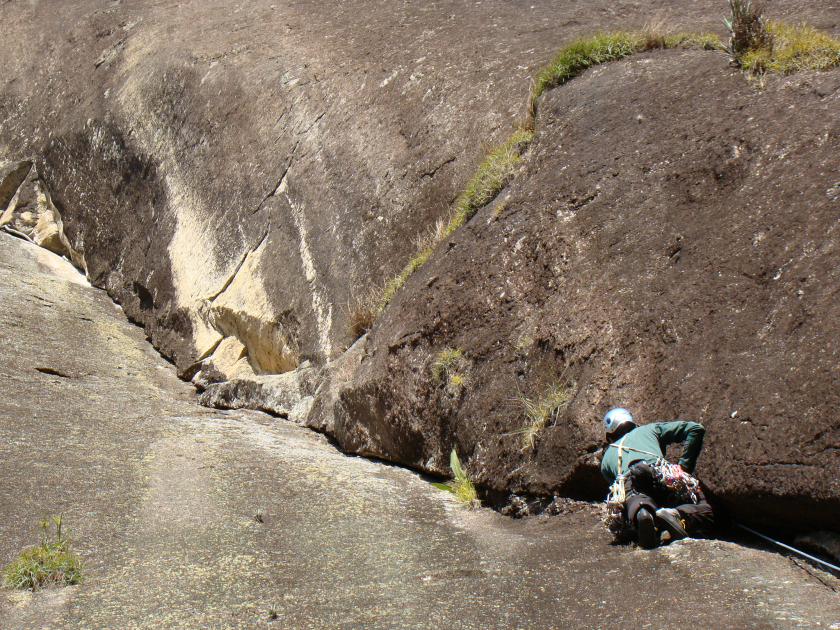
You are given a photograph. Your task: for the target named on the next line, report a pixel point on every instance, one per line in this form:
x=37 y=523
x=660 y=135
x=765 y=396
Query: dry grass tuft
x=362 y=311
x=538 y=411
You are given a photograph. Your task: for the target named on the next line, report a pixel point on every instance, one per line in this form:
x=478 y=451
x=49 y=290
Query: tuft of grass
x=461 y=486
x=361 y=313
x=465 y=492
x=494 y=173
x=793 y=48
x=425 y=245
x=51 y=563
x=581 y=54
x=457 y=380
x=447 y=362
x=396 y=283
x=586 y=52
x=538 y=411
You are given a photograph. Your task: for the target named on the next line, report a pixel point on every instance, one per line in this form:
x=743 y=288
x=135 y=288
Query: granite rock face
x=234 y=176
x=675 y=254
x=27 y=211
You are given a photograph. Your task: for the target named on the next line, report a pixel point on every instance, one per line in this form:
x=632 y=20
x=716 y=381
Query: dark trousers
x=645 y=491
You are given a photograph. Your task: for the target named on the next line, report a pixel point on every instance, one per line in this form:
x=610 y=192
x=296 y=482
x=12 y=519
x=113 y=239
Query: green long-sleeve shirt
x=648 y=442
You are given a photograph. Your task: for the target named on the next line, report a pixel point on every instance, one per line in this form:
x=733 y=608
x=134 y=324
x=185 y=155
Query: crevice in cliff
x=27 y=211
x=281 y=181
x=10 y=182
x=242 y=260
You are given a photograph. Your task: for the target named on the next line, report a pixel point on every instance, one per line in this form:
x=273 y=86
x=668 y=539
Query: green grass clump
x=792 y=48
x=396 y=283
x=450 y=364
x=49 y=564
x=461 y=486
x=586 y=52
x=494 y=173
x=538 y=411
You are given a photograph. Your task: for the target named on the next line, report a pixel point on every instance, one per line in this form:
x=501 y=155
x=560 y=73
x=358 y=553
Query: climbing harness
x=682 y=487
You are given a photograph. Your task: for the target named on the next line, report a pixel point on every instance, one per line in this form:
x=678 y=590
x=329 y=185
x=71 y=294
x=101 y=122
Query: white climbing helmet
x=615 y=418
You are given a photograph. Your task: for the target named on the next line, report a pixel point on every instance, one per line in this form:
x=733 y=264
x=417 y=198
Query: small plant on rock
x=538 y=411
x=450 y=365
x=51 y=563
x=747 y=30
x=461 y=486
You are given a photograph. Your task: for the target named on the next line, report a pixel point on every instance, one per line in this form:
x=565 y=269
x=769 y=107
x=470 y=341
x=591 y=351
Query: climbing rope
x=613 y=517
x=789 y=548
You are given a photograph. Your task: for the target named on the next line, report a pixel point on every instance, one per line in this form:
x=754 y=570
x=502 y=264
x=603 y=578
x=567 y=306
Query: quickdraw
x=673 y=478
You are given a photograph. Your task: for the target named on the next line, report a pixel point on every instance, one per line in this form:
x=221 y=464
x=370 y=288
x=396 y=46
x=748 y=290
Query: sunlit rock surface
x=160 y=495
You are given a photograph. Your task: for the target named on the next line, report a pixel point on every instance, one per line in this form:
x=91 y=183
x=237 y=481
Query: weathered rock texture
x=234 y=174
x=26 y=210
x=670 y=246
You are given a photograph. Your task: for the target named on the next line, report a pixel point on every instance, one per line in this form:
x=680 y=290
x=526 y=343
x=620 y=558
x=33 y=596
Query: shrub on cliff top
x=747 y=29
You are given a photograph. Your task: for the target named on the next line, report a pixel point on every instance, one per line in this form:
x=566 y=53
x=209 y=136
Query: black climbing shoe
x=648 y=538
x=670 y=519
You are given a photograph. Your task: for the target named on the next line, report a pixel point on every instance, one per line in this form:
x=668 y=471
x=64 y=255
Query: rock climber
x=648 y=492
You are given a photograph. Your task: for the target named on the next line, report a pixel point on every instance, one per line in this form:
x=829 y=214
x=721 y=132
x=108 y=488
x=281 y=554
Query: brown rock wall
x=670 y=247
x=234 y=174
x=176 y=138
